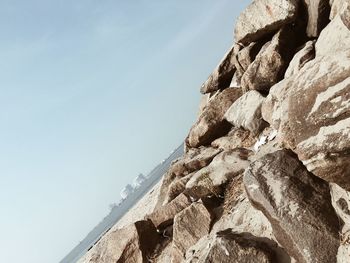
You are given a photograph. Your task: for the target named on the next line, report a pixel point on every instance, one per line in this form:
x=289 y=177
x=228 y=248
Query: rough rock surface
x=298 y=205
x=224 y=167
x=236 y=138
x=221 y=77
x=227 y=246
x=189 y=226
x=272 y=61
x=246 y=112
x=304 y=55
x=134 y=243
x=262 y=17
x=211 y=124
x=164 y=215
x=318 y=13
x=311 y=112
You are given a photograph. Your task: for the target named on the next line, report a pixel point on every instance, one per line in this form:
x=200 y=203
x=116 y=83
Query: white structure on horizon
x=126 y=191
x=138 y=181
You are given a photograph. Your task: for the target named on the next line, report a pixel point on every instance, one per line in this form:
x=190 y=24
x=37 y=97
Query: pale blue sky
x=93 y=92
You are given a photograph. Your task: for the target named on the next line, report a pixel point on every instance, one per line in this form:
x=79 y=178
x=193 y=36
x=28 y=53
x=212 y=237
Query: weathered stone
x=311 y=112
x=304 y=55
x=337 y=6
x=211 y=124
x=262 y=17
x=334 y=38
x=134 y=243
x=177 y=187
x=245 y=112
x=221 y=77
x=227 y=246
x=298 y=205
x=236 y=138
x=245 y=57
x=318 y=13
x=225 y=166
x=271 y=62
x=189 y=226
x=203 y=103
x=164 y=215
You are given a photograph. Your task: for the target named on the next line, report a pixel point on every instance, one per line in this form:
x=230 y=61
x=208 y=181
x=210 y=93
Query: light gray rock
x=304 y=55
x=298 y=205
x=337 y=6
x=227 y=247
x=211 y=123
x=318 y=13
x=225 y=166
x=270 y=64
x=263 y=17
x=189 y=226
x=164 y=216
x=334 y=38
x=311 y=111
x=222 y=75
x=245 y=112
x=236 y=138
x=134 y=243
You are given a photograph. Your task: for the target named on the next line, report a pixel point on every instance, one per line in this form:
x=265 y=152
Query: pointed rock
x=211 y=123
x=298 y=205
x=318 y=13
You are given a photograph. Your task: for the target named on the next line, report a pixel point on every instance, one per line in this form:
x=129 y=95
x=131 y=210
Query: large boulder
x=304 y=55
x=246 y=112
x=189 y=226
x=298 y=205
x=221 y=77
x=318 y=13
x=311 y=112
x=211 y=123
x=272 y=61
x=134 y=243
x=335 y=37
x=227 y=247
x=225 y=166
x=263 y=17
x=164 y=215
x=236 y=138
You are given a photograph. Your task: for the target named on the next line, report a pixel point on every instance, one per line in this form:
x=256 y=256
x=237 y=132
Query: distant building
x=126 y=191
x=139 y=180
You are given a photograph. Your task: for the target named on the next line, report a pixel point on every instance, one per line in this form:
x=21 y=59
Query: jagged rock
x=211 y=124
x=304 y=55
x=334 y=38
x=311 y=112
x=164 y=215
x=194 y=159
x=134 y=243
x=225 y=166
x=341 y=204
x=245 y=57
x=262 y=17
x=228 y=246
x=298 y=205
x=177 y=187
x=189 y=226
x=203 y=103
x=337 y=6
x=236 y=138
x=270 y=64
x=221 y=77
x=318 y=13
x=245 y=112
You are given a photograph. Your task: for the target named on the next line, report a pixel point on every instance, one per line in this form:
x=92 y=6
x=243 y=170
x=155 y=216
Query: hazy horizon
x=94 y=93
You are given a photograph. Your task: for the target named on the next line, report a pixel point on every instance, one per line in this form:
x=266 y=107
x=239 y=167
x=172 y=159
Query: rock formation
x=266 y=172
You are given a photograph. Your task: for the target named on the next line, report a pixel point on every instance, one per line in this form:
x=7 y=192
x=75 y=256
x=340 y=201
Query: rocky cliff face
x=266 y=170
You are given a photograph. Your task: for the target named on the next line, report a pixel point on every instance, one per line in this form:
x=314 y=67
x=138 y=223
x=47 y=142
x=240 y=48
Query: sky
x=92 y=93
